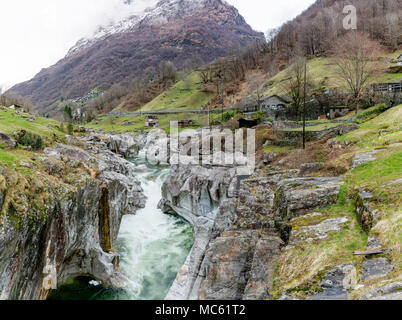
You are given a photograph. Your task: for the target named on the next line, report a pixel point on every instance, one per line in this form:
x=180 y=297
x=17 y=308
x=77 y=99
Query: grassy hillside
x=136 y=123
x=299 y=266
x=323 y=72
x=187 y=94
x=11 y=121
x=382 y=131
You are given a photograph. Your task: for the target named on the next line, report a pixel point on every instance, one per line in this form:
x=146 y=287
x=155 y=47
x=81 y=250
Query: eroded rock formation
x=73 y=232
x=240 y=226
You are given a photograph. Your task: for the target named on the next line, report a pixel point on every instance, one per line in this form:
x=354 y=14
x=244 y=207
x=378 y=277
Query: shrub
x=32 y=140
x=70 y=128
x=373 y=112
x=259 y=115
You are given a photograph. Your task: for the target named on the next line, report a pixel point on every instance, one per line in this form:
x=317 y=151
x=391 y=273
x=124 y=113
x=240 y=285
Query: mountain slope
x=173 y=30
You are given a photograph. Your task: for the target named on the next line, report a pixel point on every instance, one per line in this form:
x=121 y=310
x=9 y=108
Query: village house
x=247 y=105
x=151 y=121
x=17 y=107
x=273 y=104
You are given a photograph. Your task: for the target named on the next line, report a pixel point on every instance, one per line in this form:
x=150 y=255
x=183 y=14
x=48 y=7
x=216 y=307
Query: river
x=153 y=247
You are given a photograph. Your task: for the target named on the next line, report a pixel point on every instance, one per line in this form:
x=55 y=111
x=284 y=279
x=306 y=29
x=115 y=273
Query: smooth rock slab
x=376 y=268
x=333 y=285
x=373 y=243
x=363 y=158
x=316 y=232
x=392 y=291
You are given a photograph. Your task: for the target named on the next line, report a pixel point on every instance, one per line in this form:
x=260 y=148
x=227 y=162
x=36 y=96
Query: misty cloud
x=36 y=34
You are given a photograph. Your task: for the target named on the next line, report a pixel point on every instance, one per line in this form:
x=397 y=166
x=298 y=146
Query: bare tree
x=167 y=70
x=204 y=76
x=393 y=31
x=9 y=98
x=256 y=82
x=150 y=74
x=355 y=53
x=271 y=39
x=296 y=83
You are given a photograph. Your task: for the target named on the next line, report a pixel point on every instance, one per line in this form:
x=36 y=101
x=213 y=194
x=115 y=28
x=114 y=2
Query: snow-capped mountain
x=103 y=32
x=157 y=13
x=174 y=30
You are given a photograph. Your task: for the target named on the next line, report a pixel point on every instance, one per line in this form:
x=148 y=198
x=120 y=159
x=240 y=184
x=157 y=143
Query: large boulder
x=239 y=265
x=364 y=213
x=7 y=141
x=296 y=196
x=127 y=144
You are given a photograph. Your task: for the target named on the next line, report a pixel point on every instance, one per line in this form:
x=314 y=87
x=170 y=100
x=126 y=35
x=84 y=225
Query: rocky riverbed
x=244 y=226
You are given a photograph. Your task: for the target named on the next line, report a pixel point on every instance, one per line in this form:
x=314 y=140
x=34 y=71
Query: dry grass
x=299 y=265
x=336 y=161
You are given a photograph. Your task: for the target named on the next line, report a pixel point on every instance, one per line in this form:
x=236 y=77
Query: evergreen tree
x=70 y=128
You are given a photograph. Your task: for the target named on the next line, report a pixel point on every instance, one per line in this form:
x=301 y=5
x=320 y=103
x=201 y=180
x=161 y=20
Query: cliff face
x=173 y=30
x=240 y=234
x=72 y=230
x=241 y=225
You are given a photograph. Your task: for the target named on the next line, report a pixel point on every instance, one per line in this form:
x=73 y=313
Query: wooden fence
x=387 y=87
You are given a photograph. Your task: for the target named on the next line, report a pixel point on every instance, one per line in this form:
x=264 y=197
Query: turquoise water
x=153 y=247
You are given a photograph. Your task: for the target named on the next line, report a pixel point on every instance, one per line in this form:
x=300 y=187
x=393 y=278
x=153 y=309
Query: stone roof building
x=274 y=104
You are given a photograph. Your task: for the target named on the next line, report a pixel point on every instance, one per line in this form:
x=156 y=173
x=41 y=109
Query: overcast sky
x=36 y=34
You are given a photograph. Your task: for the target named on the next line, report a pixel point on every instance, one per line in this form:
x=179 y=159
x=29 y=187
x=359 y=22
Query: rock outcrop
x=72 y=232
x=364 y=213
x=127 y=145
x=7 y=141
x=392 y=291
x=365 y=157
x=239 y=225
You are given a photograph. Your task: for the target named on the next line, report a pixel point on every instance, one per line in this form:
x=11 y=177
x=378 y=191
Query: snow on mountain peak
x=155 y=12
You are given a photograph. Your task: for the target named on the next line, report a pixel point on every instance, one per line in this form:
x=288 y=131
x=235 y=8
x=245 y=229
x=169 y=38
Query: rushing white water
x=153 y=247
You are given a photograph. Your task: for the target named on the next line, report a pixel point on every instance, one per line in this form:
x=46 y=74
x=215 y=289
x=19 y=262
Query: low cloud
x=36 y=34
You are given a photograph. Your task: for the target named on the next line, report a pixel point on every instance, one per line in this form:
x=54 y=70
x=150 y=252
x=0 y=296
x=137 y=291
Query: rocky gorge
x=244 y=226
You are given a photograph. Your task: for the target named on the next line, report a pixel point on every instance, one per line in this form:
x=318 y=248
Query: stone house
x=17 y=107
x=151 y=121
x=248 y=105
x=274 y=104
